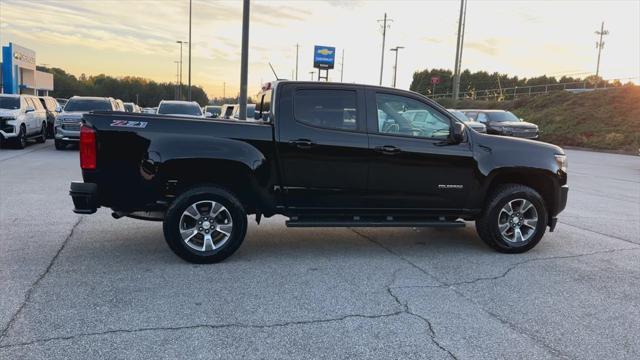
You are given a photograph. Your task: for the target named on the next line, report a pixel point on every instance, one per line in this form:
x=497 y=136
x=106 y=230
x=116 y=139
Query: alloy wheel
x=206 y=225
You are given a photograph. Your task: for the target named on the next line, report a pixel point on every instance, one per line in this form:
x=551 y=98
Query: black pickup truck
x=323 y=155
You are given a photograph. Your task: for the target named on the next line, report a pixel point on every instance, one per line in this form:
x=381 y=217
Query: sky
x=138 y=38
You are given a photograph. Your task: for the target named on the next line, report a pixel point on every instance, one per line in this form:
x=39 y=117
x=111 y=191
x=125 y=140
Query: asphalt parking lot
x=94 y=287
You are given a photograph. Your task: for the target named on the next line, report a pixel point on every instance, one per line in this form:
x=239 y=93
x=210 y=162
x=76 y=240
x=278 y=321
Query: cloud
x=432 y=40
x=489 y=46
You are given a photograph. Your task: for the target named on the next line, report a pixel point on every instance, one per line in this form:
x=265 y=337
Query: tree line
x=481 y=80
x=147 y=93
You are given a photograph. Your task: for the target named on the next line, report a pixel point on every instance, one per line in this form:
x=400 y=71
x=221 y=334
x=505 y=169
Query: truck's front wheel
x=514 y=219
x=205 y=225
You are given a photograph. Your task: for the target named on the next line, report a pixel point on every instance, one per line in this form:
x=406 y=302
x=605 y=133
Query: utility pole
x=384 y=35
x=177 y=78
x=342 y=66
x=600 y=45
x=244 y=61
x=189 y=91
x=297 y=48
x=456 y=71
x=224 y=89
x=395 y=67
x=312 y=73
x=180 y=82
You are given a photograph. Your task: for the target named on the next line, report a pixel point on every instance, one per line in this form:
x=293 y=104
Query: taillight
x=87 y=148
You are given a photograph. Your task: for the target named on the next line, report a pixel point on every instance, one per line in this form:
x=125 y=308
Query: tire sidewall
x=171 y=224
x=494 y=211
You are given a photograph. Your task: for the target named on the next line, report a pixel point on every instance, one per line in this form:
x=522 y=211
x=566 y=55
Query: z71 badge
x=131 y=124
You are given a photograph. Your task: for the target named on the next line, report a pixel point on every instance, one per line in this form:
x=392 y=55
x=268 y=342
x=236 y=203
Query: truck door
x=31 y=117
x=322 y=146
x=410 y=168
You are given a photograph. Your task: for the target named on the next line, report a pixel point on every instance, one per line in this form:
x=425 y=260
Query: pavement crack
x=206 y=326
x=28 y=294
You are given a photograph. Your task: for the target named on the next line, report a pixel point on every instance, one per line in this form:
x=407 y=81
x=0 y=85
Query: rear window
x=331 y=109
x=88 y=105
x=180 y=109
x=11 y=103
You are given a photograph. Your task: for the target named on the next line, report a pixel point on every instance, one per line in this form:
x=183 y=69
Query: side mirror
x=29 y=109
x=58 y=109
x=456 y=133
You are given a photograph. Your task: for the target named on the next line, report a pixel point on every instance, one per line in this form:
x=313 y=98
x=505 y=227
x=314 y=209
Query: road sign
x=435 y=80
x=324 y=57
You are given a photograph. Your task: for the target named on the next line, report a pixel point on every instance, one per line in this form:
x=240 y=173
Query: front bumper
x=66 y=135
x=563 y=195
x=85 y=197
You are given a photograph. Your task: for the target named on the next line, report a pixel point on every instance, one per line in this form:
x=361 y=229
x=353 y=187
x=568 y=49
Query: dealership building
x=19 y=74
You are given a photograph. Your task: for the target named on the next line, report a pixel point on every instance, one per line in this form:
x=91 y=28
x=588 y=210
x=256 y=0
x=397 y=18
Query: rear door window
x=329 y=109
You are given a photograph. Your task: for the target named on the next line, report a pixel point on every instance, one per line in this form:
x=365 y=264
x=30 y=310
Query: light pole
x=395 y=67
x=297 y=49
x=459 y=45
x=342 y=67
x=244 y=61
x=178 y=63
x=189 y=91
x=312 y=73
x=180 y=82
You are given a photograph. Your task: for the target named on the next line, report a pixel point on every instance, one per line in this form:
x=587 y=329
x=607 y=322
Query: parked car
x=180 y=108
x=226 y=112
x=131 y=107
x=149 y=110
x=479 y=127
x=214 y=110
x=67 y=128
x=22 y=117
x=322 y=160
x=62 y=101
x=251 y=111
x=119 y=105
x=500 y=122
x=53 y=109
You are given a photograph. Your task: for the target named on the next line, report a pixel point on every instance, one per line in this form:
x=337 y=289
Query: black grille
x=71 y=126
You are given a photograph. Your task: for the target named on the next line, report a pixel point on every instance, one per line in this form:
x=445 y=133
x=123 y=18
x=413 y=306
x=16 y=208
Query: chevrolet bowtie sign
x=324 y=57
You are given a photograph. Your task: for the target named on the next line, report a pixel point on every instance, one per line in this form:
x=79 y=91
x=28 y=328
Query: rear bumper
x=85 y=197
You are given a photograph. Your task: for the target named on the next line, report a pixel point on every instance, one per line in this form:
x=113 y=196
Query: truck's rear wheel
x=514 y=219
x=205 y=225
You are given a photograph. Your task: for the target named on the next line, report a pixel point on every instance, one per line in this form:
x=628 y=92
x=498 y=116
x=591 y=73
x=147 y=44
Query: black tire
x=171 y=224
x=43 y=134
x=21 y=140
x=487 y=224
x=50 y=131
x=60 y=145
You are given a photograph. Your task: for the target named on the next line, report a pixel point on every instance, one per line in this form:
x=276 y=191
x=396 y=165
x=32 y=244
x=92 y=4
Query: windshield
x=214 y=110
x=11 y=103
x=88 y=105
x=181 y=109
x=459 y=115
x=128 y=107
x=502 y=116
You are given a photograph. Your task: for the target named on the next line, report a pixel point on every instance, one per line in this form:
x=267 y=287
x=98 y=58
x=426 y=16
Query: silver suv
x=22 y=117
x=67 y=127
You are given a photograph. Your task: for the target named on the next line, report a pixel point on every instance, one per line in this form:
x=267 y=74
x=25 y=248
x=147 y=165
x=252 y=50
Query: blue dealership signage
x=324 y=57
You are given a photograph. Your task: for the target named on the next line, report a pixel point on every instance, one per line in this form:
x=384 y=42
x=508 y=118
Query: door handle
x=387 y=149
x=302 y=143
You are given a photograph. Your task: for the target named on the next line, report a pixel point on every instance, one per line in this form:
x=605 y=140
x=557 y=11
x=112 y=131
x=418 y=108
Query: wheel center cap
x=206 y=225
x=516 y=220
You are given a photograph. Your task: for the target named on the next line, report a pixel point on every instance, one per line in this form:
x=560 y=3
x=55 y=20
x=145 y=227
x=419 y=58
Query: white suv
x=22 y=117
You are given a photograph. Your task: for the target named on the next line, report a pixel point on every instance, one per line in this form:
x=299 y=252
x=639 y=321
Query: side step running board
x=352 y=223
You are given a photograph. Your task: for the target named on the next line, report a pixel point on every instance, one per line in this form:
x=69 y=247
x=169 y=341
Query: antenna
x=274 y=72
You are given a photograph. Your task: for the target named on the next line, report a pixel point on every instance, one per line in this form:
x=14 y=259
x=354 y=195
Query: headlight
x=561 y=160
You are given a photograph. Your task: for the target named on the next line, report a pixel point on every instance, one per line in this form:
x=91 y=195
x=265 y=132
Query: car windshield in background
x=181 y=109
x=460 y=116
x=214 y=110
x=87 y=105
x=251 y=111
x=10 y=103
x=502 y=116
x=128 y=107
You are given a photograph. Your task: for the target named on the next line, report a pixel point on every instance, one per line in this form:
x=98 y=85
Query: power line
x=384 y=35
x=600 y=45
